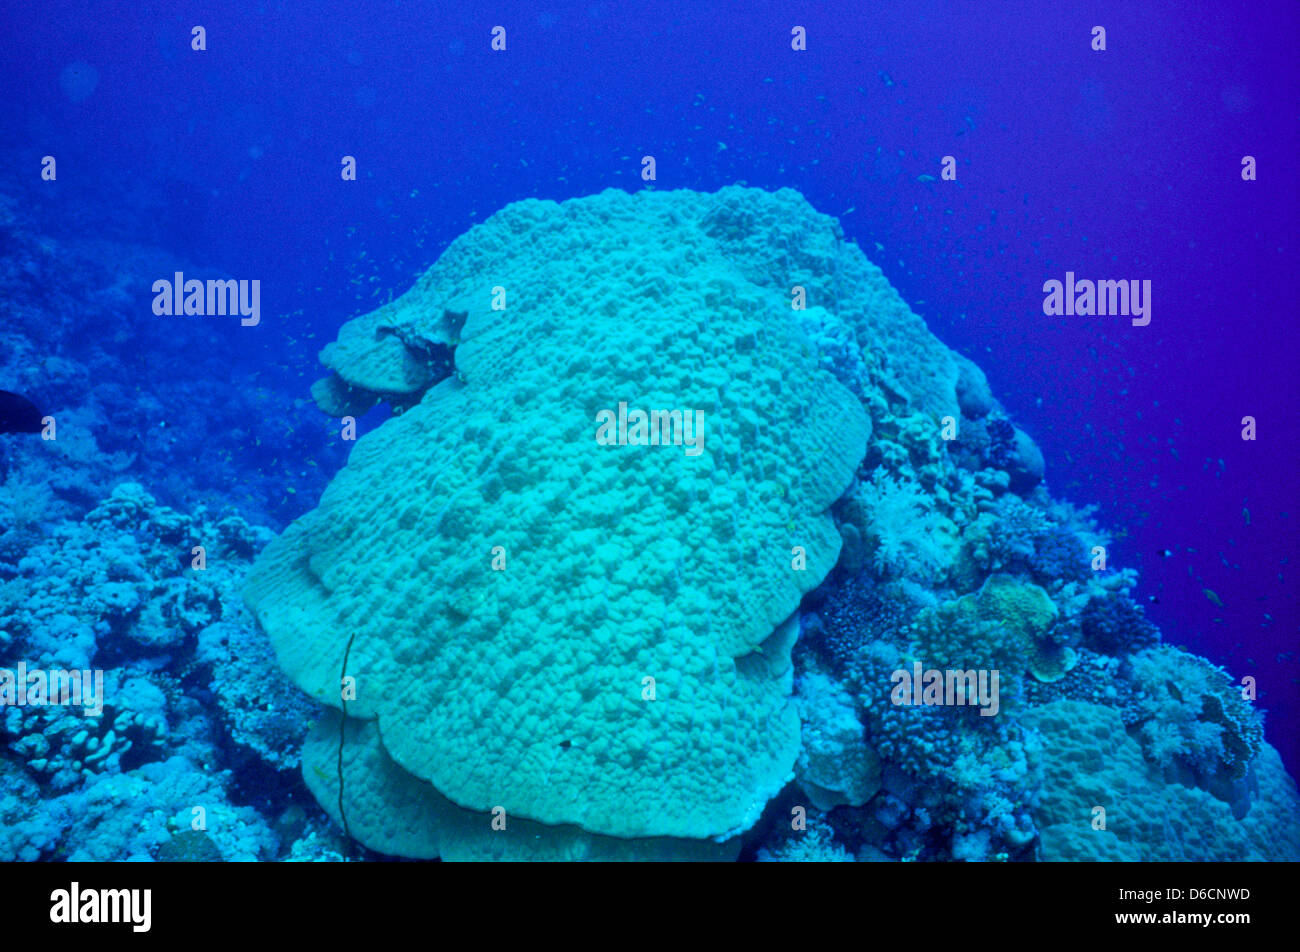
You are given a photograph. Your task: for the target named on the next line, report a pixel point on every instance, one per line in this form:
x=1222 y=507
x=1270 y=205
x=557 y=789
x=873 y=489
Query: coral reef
x=64 y=745
x=181 y=665
x=952 y=555
x=706 y=647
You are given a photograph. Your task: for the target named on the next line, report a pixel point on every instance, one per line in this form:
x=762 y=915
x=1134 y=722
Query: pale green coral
x=1003 y=626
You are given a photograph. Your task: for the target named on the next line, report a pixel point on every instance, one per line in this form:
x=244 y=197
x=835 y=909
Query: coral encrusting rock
x=1102 y=799
x=1192 y=720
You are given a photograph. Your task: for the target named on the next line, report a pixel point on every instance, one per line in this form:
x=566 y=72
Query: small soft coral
x=1192 y=720
x=906 y=536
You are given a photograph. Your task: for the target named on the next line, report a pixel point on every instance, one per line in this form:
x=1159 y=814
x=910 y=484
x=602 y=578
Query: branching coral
x=61 y=745
x=1114 y=624
x=854 y=611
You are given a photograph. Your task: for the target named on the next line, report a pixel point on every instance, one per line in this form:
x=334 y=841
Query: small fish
x=1165 y=553
x=1209 y=593
x=1153 y=600
x=1245 y=514
x=18 y=414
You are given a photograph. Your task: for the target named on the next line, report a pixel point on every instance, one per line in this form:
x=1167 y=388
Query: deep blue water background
x=1122 y=164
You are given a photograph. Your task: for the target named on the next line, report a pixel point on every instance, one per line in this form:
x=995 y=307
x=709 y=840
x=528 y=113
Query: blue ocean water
x=1117 y=164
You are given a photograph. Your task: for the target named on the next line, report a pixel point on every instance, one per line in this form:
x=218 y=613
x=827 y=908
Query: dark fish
x=1165 y=553
x=18 y=414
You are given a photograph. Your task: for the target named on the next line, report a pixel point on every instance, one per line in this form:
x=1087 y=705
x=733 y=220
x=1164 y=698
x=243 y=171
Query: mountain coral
x=625 y=566
x=581 y=646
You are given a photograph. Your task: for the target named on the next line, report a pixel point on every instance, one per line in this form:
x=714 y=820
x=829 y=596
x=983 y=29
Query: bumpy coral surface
x=1102 y=799
x=527 y=683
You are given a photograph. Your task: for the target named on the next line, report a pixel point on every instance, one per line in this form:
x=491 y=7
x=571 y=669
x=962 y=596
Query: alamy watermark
x=211 y=298
x=37 y=687
x=953 y=688
x=651 y=428
x=77 y=905
x=1086 y=298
